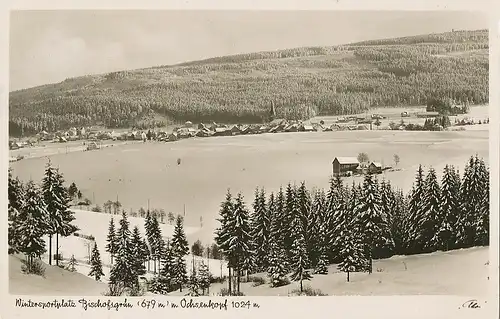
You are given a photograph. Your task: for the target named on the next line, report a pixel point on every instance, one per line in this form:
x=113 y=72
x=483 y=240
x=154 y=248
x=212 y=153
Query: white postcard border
x=352 y=307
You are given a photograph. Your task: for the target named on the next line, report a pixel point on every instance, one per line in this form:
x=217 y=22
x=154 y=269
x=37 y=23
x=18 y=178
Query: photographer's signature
x=471 y=304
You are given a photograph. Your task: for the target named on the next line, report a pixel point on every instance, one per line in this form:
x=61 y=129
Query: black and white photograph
x=248 y=153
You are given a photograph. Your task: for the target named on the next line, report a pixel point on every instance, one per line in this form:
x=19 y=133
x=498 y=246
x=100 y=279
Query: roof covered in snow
x=346 y=160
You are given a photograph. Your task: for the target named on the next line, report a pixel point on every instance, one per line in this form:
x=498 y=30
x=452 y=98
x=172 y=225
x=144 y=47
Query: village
x=92 y=137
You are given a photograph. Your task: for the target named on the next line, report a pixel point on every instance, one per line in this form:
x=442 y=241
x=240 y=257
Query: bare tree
x=116 y=207
x=363 y=158
x=171 y=218
x=396 y=159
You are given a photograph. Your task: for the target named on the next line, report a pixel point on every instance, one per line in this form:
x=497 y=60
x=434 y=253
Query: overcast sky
x=50 y=46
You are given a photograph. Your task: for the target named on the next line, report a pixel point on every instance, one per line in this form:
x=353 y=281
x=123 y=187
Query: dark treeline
x=346 y=80
x=298 y=232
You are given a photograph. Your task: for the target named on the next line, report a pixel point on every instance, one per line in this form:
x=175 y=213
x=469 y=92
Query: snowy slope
x=57 y=282
x=96 y=224
x=460 y=272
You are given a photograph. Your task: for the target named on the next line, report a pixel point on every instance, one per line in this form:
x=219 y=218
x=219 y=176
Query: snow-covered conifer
x=138 y=252
x=112 y=241
x=482 y=219
x=277 y=270
x=300 y=262
x=204 y=277
x=31 y=225
x=415 y=212
x=470 y=199
x=322 y=264
x=72 y=263
x=352 y=253
x=428 y=224
x=16 y=201
x=222 y=233
x=96 y=264
x=369 y=218
x=449 y=209
x=260 y=225
x=123 y=271
x=238 y=243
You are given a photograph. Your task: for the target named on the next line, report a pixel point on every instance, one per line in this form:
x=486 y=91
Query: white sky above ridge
x=50 y=46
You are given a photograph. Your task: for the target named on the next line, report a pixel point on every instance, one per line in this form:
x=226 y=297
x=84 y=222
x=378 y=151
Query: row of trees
x=36 y=212
x=298 y=230
x=401 y=75
x=114 y=208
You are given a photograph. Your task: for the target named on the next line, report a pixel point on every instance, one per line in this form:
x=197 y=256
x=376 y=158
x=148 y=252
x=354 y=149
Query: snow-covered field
x=57 y=282
x=460 y=273
x=149 y=172
x=96 y=224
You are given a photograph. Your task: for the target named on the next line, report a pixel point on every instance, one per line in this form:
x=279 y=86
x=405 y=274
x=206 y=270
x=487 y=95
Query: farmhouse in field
x=375 y=168
x=344 y=165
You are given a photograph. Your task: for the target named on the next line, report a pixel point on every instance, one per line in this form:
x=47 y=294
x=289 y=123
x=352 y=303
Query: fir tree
x=222 y=233
x=398 y=222
x=149 y=236
x=415 y=212
x=122 y=272
x=449 y=209
x=352 y=254
x=317 y=242
x=72 y=264
x=163 y=282
x=300 y=262
x=291 y=218
x=308 y=221
x=260 y=224
x=112 y=240
x=194 y=284
x=72 y=190
x=96 y=264
x=428 y=224
x=370 y=220
x=157 y=243
x=385 y=249
x=277 y=270
x=237 y=243
x=146 y=254
x=341 y=215
x=179 y=271
x=138 y=253
x=204 y=277
x=179 y=242
x=53 y=202
x=322 y=265
x=279 y=231
x=482 y=220
x=57 y=199
x=32 y=224
x=470 y=198
x=16 y=201
x=336 y=192
x=180 y=249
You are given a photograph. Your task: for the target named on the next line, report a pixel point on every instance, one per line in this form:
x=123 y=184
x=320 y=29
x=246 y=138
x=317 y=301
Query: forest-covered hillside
x=300 y=83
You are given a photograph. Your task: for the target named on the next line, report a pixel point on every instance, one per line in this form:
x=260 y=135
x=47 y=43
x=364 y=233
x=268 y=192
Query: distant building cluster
x=347 y=166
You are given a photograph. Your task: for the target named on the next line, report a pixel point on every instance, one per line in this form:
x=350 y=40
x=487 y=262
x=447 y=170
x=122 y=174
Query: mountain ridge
x=299 y=82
